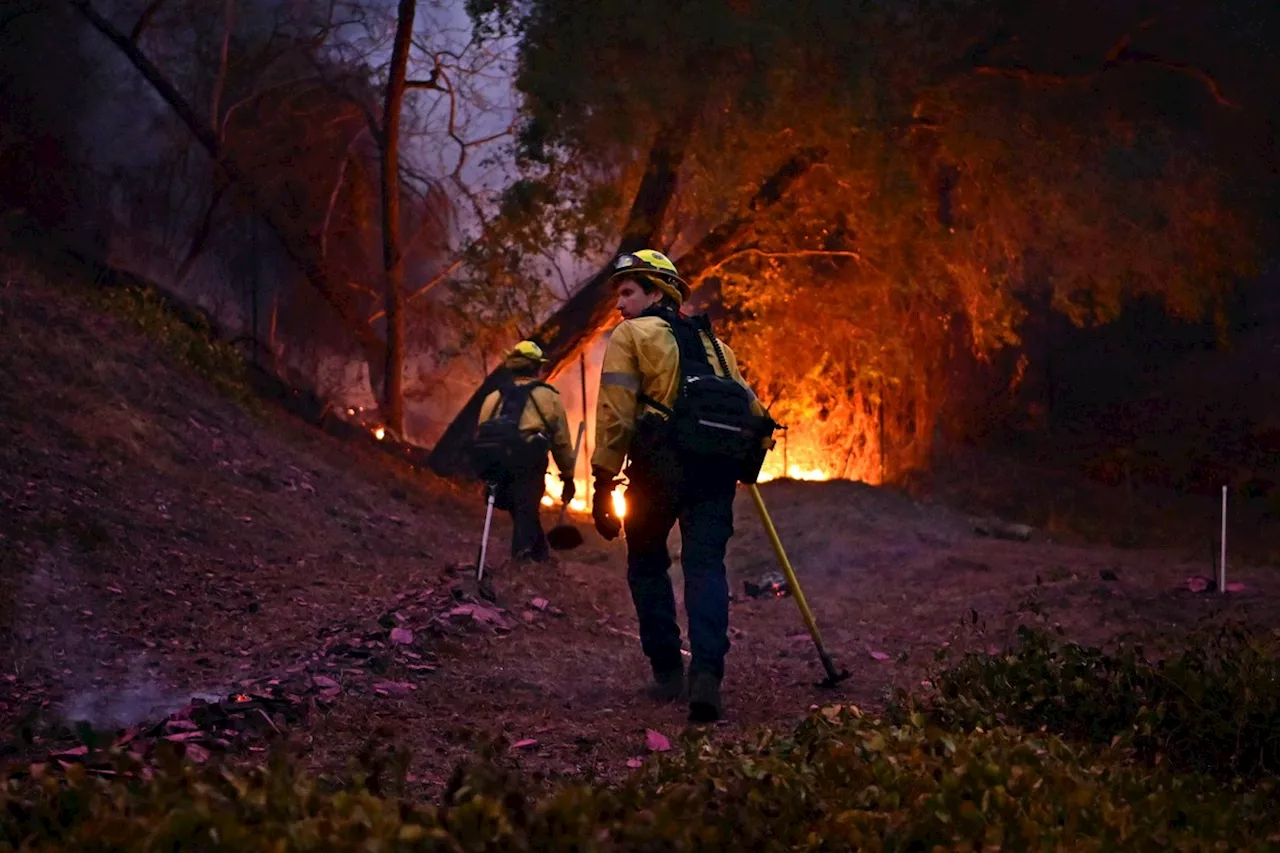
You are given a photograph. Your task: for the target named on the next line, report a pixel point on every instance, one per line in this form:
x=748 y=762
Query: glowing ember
x=380 y=433
x=619 y=504
x=241 y=697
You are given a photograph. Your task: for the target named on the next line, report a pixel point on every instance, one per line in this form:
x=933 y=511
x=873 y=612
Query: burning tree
x=961 y=185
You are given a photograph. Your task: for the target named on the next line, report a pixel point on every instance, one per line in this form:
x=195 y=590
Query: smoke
x=52 y=647
x=139 y=698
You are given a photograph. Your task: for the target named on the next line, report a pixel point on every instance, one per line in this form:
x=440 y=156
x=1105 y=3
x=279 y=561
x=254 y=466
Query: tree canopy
x=983 y=161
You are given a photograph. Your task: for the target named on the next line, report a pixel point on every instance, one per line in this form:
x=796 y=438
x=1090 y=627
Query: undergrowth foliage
x=841 y=781
x=1213 y=708
x=194 y=346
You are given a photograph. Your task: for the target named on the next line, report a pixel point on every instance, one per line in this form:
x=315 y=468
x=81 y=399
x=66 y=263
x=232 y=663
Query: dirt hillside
x=173 y=566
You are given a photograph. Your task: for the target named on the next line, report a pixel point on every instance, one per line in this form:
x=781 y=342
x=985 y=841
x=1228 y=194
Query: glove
x=569 y=490
x=607 y=523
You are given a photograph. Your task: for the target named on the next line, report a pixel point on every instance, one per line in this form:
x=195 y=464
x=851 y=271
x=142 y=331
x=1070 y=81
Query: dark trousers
x=521 y=495
x=704 y=509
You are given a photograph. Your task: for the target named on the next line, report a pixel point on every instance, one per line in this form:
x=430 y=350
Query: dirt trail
x=889 y=579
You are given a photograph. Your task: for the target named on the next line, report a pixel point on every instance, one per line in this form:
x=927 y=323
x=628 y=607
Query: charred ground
x=159 y=540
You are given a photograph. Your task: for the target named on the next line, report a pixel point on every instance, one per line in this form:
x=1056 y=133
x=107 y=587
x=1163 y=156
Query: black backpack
x=501 y=450
x=712 y=423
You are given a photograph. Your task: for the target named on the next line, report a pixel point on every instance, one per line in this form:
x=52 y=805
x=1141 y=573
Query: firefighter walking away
x=675 y=409
x=519 y=423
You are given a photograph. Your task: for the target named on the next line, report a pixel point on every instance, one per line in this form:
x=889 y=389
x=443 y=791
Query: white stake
x=1222 y=556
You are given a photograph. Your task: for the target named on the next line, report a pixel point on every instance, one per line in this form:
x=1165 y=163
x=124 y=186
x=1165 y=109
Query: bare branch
x=147 y=14
x=806 y=254
x=201 y=236
x=423 y=289
x=1144 y=58
x=1119 y=54
x=430 y=83
x=223 y=62
x=226 y=118
x=333 y=202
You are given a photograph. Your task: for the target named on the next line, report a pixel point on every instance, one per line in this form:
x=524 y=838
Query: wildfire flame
x=806 y=469
x=794 y=472
x=579 y=503
x=380 y=433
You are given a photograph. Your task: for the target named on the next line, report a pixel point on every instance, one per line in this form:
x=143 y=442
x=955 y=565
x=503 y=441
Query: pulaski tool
x=563 y=536
x=834 y=677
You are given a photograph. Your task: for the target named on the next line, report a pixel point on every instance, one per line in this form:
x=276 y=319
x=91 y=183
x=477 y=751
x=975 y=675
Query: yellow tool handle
x=794 y=584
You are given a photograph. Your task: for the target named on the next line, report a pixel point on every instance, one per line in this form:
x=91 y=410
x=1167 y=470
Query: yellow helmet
x=525 y=351
x=655 y=266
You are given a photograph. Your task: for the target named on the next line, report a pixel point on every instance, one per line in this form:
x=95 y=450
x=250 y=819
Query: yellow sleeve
x=550 y=404
x=488 y=407
x=616 y=405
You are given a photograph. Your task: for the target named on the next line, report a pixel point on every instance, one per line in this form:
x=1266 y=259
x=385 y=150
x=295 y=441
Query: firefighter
x=539 y=422
x=639 y=382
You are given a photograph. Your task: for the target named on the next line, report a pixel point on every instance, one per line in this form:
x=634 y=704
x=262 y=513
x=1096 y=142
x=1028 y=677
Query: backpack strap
x=693 y=355
x=546 y=424
x=521 y=394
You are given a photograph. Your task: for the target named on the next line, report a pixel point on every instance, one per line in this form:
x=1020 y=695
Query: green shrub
x=191 y=342
x=1213 y=708
x=840 y=782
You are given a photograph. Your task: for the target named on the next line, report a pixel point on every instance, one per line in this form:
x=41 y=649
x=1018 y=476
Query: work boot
x=667 y=686
x=704 y=697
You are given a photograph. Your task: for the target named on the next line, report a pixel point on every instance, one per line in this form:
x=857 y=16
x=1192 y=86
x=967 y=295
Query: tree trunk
x=576 y=323
x=373 y=346
x=392 y=256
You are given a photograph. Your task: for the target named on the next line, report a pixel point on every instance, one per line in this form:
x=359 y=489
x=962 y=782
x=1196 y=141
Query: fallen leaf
x=633 y=763
x=403 y=636
x=527 y=743
x=197 y=753
x=656 y=741
x=393 y=688
x=1236 y=586
x=74 y=752
x=878 y=655
x=540 y=604
x=183 y=736
x=324 y=681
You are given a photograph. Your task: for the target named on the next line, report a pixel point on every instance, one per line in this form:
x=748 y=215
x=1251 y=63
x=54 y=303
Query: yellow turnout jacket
x=543 y=413
x=643 y=357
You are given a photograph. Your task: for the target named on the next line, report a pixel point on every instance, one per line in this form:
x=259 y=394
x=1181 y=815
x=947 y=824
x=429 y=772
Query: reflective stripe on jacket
x=642 y=357
x=544 y=402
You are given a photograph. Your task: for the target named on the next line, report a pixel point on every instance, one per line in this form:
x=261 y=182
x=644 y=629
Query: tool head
x=564 y=537
x=833 y=679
